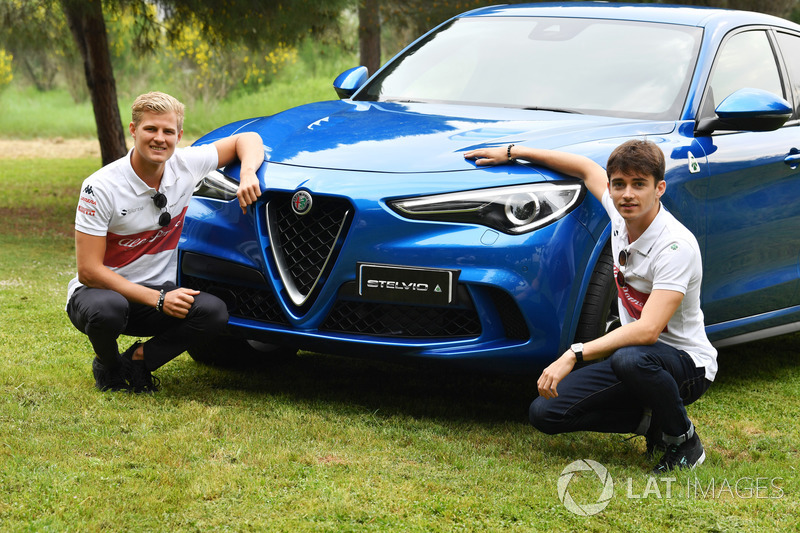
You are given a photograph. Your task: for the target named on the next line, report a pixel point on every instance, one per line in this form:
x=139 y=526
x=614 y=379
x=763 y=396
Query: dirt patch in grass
x=57 y=148
x=36 y=221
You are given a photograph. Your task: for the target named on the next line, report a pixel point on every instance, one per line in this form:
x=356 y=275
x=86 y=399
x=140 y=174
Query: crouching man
x=660 y=359
x=127 y=226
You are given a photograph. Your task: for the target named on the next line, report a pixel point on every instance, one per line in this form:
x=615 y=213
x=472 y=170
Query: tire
x=600 y=312
x=231 y=352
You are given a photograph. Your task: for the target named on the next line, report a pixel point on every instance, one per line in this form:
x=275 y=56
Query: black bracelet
x=508 y=153
x=160 y=304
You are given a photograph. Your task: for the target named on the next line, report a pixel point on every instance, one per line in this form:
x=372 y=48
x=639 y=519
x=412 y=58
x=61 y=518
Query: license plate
x=403 y=284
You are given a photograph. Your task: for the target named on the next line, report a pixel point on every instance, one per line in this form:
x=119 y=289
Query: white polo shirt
x=666 y=256
x=116 y=204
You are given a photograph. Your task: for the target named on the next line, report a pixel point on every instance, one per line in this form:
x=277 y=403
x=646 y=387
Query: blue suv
x=375 y=237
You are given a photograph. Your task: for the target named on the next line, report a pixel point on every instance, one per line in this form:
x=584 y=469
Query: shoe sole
x=700 y=460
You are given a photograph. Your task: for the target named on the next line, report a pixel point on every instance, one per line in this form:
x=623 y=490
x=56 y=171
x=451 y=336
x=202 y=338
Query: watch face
x=577 y=349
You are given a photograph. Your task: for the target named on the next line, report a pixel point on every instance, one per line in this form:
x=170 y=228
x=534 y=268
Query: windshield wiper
x=553 y=109
x=403 y=101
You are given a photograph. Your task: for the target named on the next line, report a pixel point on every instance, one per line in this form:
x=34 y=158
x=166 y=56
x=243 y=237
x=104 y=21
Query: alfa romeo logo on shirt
x=301 y=202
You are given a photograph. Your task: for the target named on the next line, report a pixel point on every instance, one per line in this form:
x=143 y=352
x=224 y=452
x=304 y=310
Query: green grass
x=332 y=444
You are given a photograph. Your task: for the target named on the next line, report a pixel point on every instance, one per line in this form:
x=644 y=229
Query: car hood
x=416 y=137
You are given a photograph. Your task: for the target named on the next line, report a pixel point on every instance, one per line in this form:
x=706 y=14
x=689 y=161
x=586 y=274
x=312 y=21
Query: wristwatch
x=577 y=349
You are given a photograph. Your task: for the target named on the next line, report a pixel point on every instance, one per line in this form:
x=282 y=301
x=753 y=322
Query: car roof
x=670 y=14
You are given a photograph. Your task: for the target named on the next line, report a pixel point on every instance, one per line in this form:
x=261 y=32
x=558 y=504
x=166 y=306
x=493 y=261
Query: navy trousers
x=103 y=315
x=612 y=395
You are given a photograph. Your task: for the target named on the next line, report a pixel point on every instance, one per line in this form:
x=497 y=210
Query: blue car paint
x=373 y=152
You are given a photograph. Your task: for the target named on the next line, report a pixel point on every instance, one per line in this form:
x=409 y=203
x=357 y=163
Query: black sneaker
x=139 y=377
x=109 y=379
x=688 y=454
x=655 y=440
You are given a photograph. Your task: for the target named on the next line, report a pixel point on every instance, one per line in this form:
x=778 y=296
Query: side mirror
x=349 y=81
x=747 y=110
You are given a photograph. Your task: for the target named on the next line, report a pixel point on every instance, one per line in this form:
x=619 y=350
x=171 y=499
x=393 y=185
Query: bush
x=6 y=70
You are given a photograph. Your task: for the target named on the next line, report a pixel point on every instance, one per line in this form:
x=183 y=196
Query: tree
x=40 y=44
x=252 y=22
x=369 y=34
x=88 y=27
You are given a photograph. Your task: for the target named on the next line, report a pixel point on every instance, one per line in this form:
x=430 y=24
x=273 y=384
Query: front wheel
x=600 y=312
x=227 y=351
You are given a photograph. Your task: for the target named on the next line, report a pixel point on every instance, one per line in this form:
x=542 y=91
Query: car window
x=790 y=47
x=746 y=60
x=578 y=65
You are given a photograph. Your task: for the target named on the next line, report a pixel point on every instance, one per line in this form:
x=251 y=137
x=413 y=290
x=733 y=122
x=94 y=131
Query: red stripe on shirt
x=632 y=300
x=122 y=250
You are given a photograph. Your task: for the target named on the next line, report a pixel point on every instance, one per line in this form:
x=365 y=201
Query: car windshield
x=602 y=67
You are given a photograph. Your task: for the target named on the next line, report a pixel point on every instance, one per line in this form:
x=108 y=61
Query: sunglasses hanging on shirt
x=160 y=200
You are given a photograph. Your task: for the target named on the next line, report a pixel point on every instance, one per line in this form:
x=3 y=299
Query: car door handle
x=793 y=159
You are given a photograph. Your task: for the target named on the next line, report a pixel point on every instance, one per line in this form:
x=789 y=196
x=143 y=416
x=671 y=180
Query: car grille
x=305 y=246
x=244 y=302
x=351 y=314
x=393 y=320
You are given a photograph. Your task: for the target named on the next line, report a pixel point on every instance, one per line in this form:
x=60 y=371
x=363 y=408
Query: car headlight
x=218 y=186
x=514 y=210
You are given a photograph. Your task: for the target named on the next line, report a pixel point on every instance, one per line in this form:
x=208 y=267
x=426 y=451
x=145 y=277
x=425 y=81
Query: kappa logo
x=88 y=190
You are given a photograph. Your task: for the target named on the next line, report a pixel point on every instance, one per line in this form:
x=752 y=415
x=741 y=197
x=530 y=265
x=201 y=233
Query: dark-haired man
x=660 y=359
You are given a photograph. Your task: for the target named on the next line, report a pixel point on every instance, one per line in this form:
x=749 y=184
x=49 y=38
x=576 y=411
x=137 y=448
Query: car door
x=752 y=209
x=790 y=51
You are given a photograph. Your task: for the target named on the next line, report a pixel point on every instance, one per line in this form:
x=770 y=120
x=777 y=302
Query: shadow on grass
x=422 y=389
x=768 y=360
x=413 y=388
x=340 y=388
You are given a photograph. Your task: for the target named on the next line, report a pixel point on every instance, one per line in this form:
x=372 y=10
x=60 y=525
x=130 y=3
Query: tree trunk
x=369 y=34
x=85 y=18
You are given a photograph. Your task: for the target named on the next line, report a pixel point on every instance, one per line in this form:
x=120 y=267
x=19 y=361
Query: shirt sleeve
x=200 y=160
x=95 y=207
x=675 y=266
x=608 y=205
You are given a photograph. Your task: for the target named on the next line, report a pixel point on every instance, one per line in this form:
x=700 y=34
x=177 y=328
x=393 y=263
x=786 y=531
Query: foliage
x=201 y=49
x=6 y=72
x=203 y=70
x=331 y=444
x=254 y=22
x=38 y=37
x=28 y=113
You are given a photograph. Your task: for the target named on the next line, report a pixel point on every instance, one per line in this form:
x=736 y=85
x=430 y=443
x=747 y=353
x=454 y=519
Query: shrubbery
x=6 y=72
x=190 y=63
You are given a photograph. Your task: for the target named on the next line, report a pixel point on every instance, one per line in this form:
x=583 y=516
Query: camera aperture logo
x=581 y=481
x=590 y=508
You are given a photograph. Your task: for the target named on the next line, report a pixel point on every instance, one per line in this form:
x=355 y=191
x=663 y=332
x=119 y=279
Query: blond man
x=127 y=226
